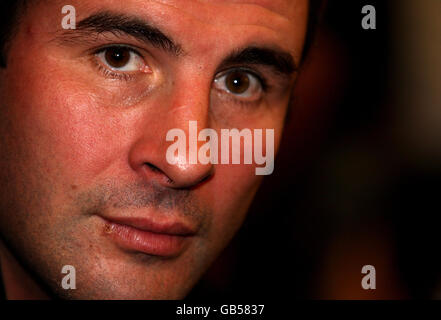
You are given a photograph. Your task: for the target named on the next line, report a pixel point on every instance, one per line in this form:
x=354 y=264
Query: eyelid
x=262 y=80
x=117 y=45
x=250 y=98
x=144 y=68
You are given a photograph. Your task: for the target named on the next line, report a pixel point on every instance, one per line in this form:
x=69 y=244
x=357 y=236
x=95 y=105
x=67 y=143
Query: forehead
x=279 y=21
x=212 y=11
x=203 y=9
x=281 y=7
x=208 y=11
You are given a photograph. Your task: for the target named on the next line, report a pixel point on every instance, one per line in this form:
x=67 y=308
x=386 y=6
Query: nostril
x=185 y=177
x=153 y=167
x=156 y=170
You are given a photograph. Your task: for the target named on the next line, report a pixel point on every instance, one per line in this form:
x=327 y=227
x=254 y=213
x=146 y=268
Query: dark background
x=351 y=187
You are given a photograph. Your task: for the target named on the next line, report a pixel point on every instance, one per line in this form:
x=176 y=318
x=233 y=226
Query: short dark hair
x=9 y=15
x=11 y=10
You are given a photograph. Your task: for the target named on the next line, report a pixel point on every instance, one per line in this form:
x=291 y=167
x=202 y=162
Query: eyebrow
x=117 y=24
x=110 y=22
x=281 y=61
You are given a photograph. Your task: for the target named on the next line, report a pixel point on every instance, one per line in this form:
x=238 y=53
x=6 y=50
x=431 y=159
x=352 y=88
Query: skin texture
x=77 y=145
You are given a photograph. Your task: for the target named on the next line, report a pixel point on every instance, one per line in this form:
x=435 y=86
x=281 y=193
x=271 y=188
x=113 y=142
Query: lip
x=147 y=236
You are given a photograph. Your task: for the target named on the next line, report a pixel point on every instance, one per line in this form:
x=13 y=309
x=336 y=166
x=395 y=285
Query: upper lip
x=175 y=228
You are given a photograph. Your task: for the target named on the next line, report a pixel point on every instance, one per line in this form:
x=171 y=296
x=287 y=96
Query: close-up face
x=84 y=116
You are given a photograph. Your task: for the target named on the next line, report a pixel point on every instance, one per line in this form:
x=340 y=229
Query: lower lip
x=157 y=244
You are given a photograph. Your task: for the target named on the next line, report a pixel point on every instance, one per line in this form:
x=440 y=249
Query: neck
x=18 y=283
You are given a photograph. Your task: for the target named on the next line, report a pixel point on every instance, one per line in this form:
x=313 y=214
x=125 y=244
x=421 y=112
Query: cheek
x=234 y=186
x=63 y=128
x=65 y=125
x=230 y=195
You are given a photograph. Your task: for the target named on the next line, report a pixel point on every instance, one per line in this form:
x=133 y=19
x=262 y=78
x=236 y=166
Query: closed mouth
x=147 y=236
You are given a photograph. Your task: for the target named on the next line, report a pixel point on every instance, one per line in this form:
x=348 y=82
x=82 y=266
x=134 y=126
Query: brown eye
x=121 y=59
x=117 y=57
x=242 y=84
x=237 y=82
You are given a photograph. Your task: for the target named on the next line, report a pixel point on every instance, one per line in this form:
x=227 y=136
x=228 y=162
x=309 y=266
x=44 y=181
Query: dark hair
x=10 y=12
x=9 y=16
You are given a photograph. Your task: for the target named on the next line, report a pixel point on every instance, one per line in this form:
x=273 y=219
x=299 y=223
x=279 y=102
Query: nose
x=148 y=155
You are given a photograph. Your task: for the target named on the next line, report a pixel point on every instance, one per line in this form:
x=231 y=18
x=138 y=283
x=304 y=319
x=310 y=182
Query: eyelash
x=124 y=76
x=261 y=79
x=113 y=75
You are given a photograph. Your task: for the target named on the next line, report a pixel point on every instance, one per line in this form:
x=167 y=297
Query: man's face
x=84 y=116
